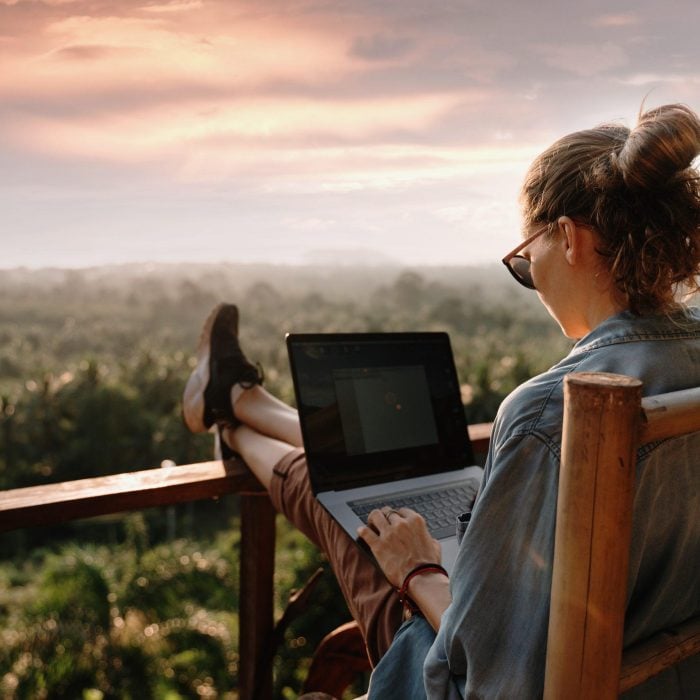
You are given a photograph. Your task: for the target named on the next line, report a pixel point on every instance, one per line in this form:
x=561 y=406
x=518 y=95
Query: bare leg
x=257 y=408
x=260 y=452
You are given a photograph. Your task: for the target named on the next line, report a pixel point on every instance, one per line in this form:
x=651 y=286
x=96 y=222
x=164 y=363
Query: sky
x=301 y=131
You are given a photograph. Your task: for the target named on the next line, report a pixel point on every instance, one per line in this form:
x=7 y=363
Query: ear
x=570 y=239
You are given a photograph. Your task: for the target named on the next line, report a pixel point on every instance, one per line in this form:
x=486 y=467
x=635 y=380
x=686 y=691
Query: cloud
x=175 y=6
x=313 y=224
x=584 y=60
x=48 y=3
x=646 y=79
x=255 y=122
x=616 y=20
x=85 y=52
x=255 y=52
x=382 y=47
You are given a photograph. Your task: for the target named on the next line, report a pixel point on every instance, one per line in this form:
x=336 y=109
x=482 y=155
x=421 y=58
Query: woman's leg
x=281 y=468
x=258 y=409
x=224 y=388
x=260 y=452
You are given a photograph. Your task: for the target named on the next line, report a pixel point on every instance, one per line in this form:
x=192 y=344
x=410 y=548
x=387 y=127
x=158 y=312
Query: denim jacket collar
x=625 y=327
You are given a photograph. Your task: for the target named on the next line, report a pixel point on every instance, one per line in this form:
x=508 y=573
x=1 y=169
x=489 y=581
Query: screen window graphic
x=384 y=408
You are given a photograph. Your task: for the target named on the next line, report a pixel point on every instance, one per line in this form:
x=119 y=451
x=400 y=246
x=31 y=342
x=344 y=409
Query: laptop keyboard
x=440 y=507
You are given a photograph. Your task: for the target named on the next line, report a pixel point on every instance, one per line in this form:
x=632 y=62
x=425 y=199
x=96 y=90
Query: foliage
x=92 y=365
x=296 y=561
x=87 y=623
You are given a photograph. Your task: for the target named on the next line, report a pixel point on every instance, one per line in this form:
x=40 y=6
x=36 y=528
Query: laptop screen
x=375 y=407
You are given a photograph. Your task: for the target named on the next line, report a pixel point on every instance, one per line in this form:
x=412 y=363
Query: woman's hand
x=399 y=540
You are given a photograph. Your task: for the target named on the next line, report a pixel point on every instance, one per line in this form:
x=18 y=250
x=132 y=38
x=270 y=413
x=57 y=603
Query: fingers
x=368 y=535
x=381 y=518
x=399 y=540
x=408 y=513
x=379 y=522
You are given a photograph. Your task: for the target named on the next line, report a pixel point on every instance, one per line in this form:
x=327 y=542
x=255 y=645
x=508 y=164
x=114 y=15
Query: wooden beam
x=83 y=498
x=666 y=415
x=480 y=435
x=654 y=655
x=593 y=526
x=256 y=597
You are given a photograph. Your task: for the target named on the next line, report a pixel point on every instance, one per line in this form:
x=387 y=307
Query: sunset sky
x=303 y=130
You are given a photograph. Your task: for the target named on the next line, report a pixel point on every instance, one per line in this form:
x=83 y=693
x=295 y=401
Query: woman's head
x=639 y=192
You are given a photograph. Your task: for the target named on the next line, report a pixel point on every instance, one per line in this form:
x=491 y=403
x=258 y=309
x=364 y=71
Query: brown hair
x=639 y=191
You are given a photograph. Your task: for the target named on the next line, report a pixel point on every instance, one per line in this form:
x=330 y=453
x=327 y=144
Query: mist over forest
x=334 y=281
x=52 y=320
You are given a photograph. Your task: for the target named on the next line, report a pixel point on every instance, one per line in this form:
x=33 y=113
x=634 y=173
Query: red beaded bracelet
x=427 y=568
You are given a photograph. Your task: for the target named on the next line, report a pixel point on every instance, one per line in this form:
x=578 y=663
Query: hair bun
x=664 y=143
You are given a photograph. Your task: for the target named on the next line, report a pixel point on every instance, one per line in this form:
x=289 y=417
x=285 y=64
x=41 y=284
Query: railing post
x=594 y=520
x=256 y=595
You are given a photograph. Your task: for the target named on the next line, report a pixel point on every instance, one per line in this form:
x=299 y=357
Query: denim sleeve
x=399 y=674
x=493 y=635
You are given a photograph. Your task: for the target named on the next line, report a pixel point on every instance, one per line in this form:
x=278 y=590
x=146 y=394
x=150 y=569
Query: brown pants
x=370 y=597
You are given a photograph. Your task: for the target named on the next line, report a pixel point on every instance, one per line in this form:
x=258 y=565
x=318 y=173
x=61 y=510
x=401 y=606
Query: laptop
x=383 y=424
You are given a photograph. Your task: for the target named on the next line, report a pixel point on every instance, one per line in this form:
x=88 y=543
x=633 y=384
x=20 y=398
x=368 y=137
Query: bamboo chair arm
x=645 y=659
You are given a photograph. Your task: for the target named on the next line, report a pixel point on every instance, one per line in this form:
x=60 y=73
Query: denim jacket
x=492 y=638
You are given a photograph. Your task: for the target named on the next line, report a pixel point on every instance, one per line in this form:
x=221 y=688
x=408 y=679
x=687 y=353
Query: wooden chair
x=603 y=427
x=339 y=660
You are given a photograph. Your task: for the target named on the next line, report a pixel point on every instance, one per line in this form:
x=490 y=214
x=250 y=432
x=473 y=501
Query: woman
x=612 y=241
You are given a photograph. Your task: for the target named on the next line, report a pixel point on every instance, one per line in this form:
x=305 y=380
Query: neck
x=599 y=313
x=596 y=303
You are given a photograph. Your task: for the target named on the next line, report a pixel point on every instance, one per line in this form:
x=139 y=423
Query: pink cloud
x=616 y=20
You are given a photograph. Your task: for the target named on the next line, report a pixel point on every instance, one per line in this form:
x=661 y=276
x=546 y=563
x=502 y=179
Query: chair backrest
x=605 y=420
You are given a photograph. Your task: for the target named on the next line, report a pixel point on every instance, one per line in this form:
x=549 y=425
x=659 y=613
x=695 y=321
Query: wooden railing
x=84 y=498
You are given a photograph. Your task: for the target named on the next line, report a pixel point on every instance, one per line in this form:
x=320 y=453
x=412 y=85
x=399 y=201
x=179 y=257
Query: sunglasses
x=519 y=266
